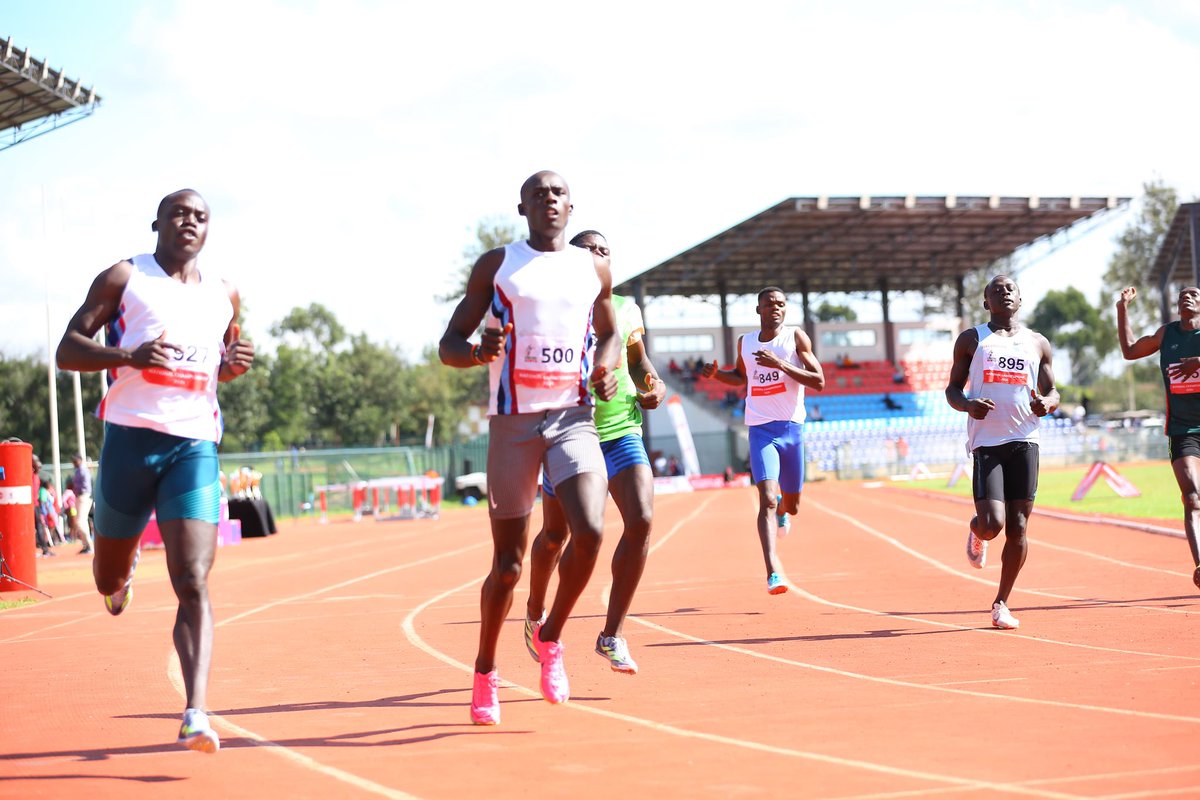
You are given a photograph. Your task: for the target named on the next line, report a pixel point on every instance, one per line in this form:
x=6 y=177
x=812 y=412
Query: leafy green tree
x=316 y=325
x=360 y=393
x=244 y=407
x=25 y=408
x=490 y=233
x=291 y=387
x=446 y=393
x=831 y=312
x=1071 y=323
x=1131 y=262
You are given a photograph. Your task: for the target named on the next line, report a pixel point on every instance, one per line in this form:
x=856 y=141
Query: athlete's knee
x=1191 y=501
x=587 y=542
x=106 y=582
x=637 y=525
x=550 y=540
x=190 y=581
x=988 y=526
x=506 y=573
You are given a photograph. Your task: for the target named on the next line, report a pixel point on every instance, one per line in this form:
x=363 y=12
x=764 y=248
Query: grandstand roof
x=1178 y=259
x=35 y=99
x=851 y=244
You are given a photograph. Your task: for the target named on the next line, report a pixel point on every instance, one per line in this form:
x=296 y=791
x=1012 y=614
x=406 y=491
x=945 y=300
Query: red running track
x=342 y=652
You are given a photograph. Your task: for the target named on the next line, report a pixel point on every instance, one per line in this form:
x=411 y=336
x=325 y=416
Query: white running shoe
x=976 y=550
x=197 y=734
x=1002 y=618
x=531 y=631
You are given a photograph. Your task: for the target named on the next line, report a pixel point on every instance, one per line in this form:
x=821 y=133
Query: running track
x=342 y=653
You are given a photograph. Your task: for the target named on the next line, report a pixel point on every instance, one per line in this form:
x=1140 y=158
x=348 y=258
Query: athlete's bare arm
x=960 y=371
x=608 y=344
x=644 y=375
x=80 y=352
x=1131 y=349
x=239 y=353
x=732 y=377
x=1045 y=400
x=807 y=373
x=455 y=348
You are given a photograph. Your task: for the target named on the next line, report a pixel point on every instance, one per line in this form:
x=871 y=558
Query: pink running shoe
x=485 y=704
x=555 y=687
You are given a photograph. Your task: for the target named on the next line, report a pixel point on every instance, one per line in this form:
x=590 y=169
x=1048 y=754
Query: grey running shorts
x=564 y=440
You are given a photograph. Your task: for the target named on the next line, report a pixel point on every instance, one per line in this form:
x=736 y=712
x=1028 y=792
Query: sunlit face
x=182 y=223
x=546 y=202
x=1189 y=301
x=1002 y=295
x=772 y=307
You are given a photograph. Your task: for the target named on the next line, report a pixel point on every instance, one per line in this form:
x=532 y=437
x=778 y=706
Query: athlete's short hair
x=579 y=237
x=770 y=289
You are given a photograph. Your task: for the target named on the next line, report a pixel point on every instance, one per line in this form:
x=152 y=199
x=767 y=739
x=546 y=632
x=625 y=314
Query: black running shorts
x=1006 y=472
x=1187 y=444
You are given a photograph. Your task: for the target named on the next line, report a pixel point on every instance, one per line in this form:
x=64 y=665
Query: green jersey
x=622 y=415
x=1183 y=396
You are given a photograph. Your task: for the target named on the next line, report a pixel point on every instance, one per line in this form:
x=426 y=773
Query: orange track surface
x=342 y=652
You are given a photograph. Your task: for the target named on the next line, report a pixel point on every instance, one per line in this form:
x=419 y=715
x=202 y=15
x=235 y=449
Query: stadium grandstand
x=883 y=410
x=36 y=99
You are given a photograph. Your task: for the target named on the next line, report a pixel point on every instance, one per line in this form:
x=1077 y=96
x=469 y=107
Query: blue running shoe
x=776 y=584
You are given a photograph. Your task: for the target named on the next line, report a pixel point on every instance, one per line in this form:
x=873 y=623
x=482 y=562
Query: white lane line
x=350 y=582
x=415 y=639
x=307 y=762
x=961 y=523
x=1123 y=712
x=287 y=753
x=944 y=568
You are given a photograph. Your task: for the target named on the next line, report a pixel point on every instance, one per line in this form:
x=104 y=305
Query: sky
x=348 y=149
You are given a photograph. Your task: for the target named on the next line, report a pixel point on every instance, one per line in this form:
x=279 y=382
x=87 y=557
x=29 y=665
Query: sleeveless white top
x=547 y=360
x=771 y=394
x=180 y=400
x=1003 y=369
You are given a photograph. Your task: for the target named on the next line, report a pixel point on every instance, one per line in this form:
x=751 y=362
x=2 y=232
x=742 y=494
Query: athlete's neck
x=767 y=334
x=1190 y=323
x=1008 y=326
x=545 y=243
x=181 y=269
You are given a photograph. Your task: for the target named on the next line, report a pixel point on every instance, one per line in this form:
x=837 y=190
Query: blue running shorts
x=777 y=453
x=619 y=455
x=144 y=471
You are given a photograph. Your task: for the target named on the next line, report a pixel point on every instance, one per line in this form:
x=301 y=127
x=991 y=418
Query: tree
x=1137 y=247
x=244 y=407
x=25 y=408
x=360 y=394
x=490 y=233
x=830 y=312
x=316 y=325
x=1070 y=322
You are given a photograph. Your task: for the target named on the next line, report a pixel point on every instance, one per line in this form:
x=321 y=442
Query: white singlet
x=1003 y=369
x=771 y=395
x=180 y=400
x=548 y=298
